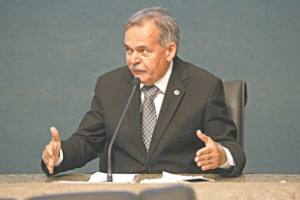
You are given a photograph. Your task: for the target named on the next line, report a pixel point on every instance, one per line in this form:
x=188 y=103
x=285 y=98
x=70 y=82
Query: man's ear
x=171 y=51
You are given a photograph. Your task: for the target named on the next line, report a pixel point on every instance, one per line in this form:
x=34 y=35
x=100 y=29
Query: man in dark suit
x=177 y=121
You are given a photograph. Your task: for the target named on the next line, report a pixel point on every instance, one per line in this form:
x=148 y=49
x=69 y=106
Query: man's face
x=145 y=57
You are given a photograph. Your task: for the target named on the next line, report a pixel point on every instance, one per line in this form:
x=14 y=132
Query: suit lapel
x=174 y=94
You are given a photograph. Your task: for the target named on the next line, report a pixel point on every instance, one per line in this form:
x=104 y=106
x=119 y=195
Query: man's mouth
x=137 y=69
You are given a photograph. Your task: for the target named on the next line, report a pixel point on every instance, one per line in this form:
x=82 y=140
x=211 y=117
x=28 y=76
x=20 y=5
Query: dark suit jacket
x=200 y=105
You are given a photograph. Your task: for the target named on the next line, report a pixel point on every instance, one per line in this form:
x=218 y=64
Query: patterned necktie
x=149 y=116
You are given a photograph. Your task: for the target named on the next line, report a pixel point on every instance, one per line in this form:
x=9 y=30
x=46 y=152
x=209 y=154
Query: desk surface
x=249 y=186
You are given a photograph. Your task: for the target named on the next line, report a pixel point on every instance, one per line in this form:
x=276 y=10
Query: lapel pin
x=176 y=92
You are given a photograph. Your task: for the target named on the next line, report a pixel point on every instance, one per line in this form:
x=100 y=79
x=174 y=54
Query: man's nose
x=135 y=58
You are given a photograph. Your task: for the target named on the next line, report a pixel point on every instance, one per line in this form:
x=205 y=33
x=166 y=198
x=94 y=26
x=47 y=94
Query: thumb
x=203 y=137
x=54 y=134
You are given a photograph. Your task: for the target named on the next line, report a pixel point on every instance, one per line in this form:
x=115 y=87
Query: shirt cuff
x=230 y=162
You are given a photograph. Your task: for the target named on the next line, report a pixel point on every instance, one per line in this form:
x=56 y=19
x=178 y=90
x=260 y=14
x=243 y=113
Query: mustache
x=137 y=68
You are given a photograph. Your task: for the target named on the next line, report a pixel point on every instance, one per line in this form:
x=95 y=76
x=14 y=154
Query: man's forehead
x=142 y=23
x=141 y=37
x=144 y=28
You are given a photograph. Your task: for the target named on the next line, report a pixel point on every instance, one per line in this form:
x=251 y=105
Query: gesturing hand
x=52 y=149
x=212 y=155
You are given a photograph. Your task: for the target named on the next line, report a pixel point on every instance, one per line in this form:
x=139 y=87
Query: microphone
x=136 y=82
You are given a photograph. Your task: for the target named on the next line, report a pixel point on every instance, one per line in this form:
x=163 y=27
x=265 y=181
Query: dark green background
x=52 y=51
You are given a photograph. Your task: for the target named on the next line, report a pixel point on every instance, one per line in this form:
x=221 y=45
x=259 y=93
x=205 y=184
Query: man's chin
x=143 y=76
x=144 y=80
x=140 y=76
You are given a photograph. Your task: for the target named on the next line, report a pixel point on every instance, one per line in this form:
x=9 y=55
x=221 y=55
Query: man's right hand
x=52 y=150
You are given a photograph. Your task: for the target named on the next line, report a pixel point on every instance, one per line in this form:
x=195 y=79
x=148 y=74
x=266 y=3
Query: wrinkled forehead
x=141 y=23
x=145 y=28
x=145 y=34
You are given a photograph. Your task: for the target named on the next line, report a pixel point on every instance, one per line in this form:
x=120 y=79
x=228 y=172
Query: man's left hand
x=212 y=155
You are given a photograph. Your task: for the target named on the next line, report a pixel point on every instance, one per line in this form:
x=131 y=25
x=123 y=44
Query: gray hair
x=167 y=26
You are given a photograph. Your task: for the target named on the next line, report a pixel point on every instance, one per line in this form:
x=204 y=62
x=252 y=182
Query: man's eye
x=146 y=52
x=129 y=51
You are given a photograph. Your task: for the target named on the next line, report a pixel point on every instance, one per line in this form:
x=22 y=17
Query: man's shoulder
x=195 y=72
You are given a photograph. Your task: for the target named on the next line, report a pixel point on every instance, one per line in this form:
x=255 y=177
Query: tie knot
x=150 y=91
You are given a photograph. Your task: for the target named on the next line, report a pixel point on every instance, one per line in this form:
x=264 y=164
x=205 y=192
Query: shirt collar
x=163 y=82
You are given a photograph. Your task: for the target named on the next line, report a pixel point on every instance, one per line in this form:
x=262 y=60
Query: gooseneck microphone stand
x=136 y=83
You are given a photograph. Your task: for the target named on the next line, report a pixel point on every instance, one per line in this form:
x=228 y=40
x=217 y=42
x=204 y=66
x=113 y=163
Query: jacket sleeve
x=222 y=129
x=88 y=141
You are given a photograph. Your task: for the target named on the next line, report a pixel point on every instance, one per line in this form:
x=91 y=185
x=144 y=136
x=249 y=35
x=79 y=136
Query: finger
x=203 y=151
x=45 y=157
x=204 y=138
x=48 y=160
x=54 y=134
x=50 y=170
x=47 y=153
x=208 y=167
x=49 y=150
x=207 y=164
x=204 y=158
x=206 y=161
x=207 y=154
x=50 y=166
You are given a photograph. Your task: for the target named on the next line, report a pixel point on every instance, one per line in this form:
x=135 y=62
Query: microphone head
x=136 y=81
